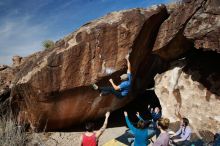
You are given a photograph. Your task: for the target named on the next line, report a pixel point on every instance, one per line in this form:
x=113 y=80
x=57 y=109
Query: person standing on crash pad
x=120 y=90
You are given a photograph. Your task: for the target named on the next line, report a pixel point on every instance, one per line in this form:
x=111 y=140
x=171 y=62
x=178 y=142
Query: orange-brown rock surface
x=170 y=42
x=191 y=24
x=53 y=86
x=204 y=27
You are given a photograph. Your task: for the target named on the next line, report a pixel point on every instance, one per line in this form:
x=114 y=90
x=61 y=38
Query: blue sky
x=24 y=24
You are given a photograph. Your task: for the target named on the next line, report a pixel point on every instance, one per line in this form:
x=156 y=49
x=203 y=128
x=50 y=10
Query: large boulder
x=204 y=27
x=53 y=86
x=170 y=42
x=191 y=88
x=194 y=23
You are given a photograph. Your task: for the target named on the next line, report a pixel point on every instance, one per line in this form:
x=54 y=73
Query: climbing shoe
x=95 y=87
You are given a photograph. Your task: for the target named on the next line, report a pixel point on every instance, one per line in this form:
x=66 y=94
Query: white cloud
x=20 y=37
x=64 y=5
x=19 y=33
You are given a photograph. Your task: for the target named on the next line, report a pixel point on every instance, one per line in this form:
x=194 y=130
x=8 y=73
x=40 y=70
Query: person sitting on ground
x=141 y=133
x=163 y=139
x=183 y=135
x=90 y=137
x=120 y=90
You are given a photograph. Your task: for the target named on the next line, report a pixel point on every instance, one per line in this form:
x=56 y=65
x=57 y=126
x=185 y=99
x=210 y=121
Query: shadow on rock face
x=204 y=68
x=117 y=119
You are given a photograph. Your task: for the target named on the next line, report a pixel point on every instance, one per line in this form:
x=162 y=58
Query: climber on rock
x=120 y=90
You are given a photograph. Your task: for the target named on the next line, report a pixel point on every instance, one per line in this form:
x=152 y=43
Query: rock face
x=53 y=86
x=204 y=27
x=3 y=67
x=192 y=24
x=6 y=77
x=190 y=88
x=17 y=61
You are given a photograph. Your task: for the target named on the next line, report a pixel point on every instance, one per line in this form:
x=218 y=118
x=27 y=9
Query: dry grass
x=10 y=133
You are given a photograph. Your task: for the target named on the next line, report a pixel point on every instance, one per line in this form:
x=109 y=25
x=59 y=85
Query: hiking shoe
x=95 y=87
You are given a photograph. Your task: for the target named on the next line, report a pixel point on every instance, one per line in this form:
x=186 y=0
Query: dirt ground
x=72 y=138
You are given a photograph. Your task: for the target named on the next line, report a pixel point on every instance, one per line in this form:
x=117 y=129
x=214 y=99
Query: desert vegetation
x=47 y=44
x=11 y=134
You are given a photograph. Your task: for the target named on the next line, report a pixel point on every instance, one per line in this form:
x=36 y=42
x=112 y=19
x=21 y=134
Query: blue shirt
x=125 y=86
x=141 y=135
x=156 y=116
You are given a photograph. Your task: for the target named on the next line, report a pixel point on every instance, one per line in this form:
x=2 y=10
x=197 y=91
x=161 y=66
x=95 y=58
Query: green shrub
x=47 y=44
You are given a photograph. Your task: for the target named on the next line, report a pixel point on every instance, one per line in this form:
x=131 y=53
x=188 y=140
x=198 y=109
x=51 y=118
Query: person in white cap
x=120 y=90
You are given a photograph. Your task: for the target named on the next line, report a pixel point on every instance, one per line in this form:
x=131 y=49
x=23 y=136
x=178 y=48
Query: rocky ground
x=72 y=138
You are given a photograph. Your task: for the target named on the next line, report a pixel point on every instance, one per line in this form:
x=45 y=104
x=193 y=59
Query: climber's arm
x=102 y=129
x=113 y=85
x=128 y=64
